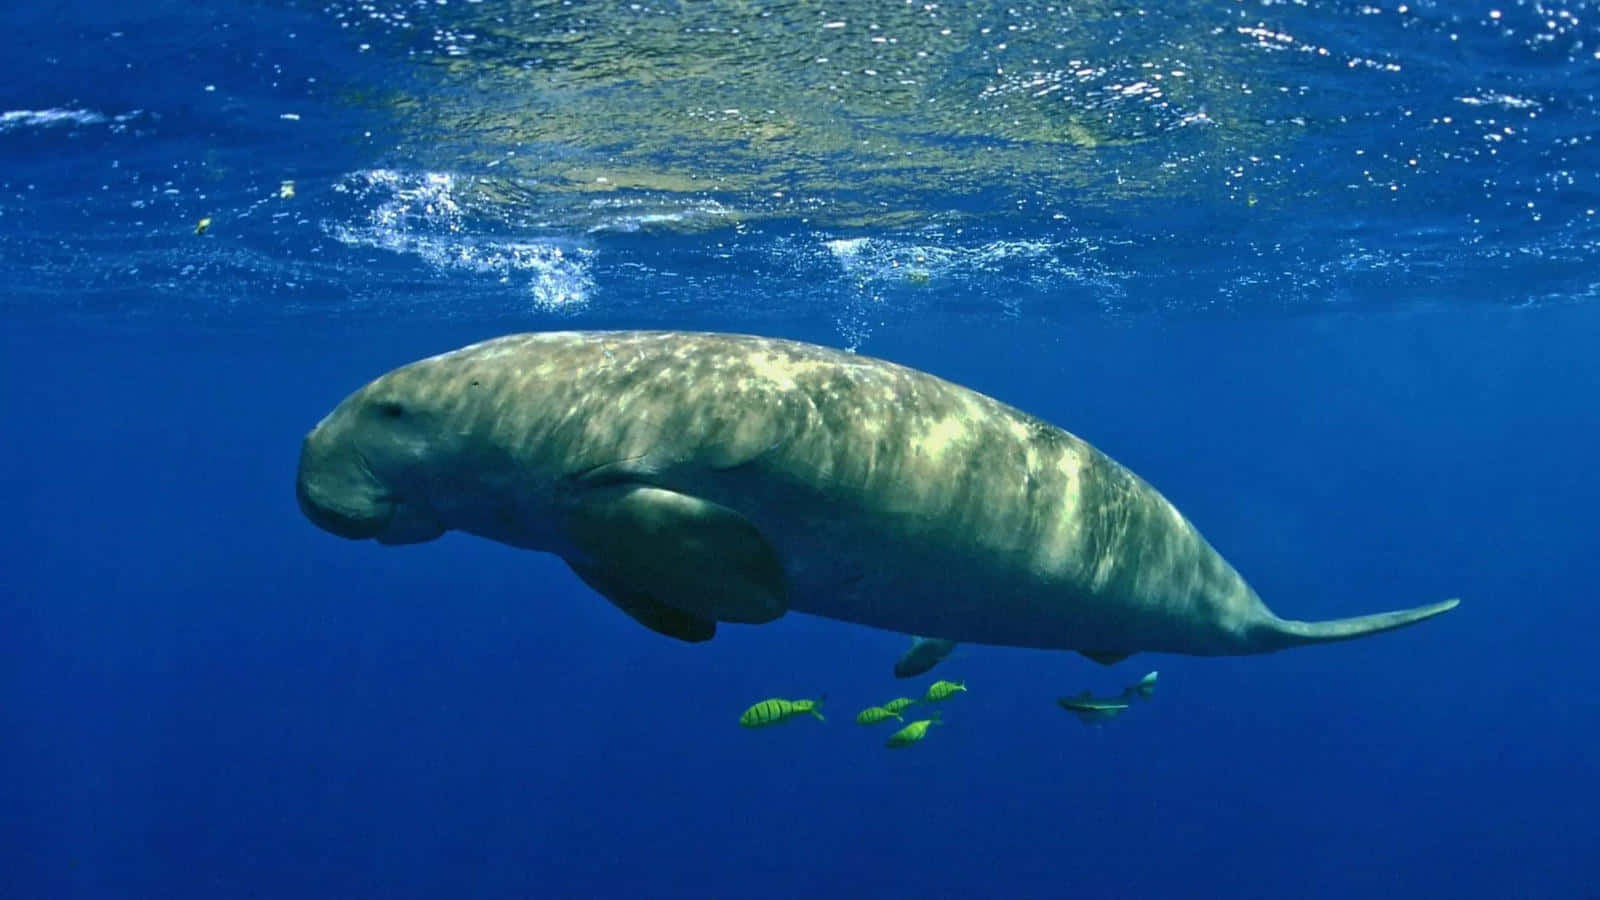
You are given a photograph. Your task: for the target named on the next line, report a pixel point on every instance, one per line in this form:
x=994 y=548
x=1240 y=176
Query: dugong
x=699 y=478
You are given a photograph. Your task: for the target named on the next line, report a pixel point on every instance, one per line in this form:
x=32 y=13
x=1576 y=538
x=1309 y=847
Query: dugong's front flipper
x=642 y=545
x=652 y=614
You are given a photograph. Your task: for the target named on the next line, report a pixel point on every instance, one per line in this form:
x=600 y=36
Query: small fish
x=912 y=733
x=925 y=653
x=872 y=715
x=1143 y=689
x=202 y=226
x=286 y=190
x=1094 y=710
x=776 y=710
x=898 y=704
x=943 y=690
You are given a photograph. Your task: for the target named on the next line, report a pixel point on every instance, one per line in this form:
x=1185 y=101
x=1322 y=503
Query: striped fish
x=776 y=710
x=912 y=733
x=943 y=690
x=872 y=715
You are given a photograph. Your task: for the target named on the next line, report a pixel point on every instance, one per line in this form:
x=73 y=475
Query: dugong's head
x=379 y=464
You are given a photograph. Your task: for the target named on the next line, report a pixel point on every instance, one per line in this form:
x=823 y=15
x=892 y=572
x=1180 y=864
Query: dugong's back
x=888 y=496
x=895 y=498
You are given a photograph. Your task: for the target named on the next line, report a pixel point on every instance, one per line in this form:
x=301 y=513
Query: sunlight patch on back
x=944 y=434
x=1060 y=539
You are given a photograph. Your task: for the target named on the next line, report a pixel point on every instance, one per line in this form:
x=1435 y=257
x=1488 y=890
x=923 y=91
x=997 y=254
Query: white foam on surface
x=420 y=214
x=19 y=119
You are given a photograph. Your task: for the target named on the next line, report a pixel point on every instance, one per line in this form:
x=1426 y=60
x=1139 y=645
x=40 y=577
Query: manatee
x=694 y=479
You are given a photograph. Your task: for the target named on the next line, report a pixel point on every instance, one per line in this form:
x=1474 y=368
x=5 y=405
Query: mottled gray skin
x=893 y=498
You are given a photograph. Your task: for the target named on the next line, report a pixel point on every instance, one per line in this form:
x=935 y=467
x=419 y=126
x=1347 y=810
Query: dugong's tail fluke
x=1281 y=634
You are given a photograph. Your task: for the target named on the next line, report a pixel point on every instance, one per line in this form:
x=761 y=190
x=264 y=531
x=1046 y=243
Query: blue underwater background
x=1337 y=301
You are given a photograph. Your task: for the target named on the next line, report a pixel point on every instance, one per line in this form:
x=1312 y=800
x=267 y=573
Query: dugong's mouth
x=388 y=520
x=357 y=525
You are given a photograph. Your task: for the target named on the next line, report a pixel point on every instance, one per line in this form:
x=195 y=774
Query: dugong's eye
x=391 y=410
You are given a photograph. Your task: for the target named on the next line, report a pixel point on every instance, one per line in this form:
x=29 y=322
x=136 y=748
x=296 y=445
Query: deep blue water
x=1371 y=383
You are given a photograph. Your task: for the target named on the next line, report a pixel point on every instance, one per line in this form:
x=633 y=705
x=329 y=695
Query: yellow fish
x=898 y=704
x=943 y=690
x=776 y=710
x=872 y=715
x=912 y=733
x=202 y=226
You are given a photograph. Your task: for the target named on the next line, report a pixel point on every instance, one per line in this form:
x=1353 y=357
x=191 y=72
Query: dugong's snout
x=337 y=492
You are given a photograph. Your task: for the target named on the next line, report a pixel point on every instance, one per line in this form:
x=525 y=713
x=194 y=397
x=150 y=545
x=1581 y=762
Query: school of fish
x=1085 y=706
